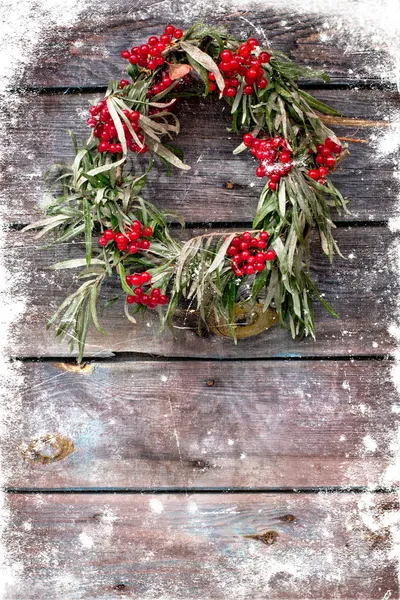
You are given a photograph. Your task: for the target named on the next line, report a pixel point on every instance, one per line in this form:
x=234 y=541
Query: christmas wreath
x=218 y=272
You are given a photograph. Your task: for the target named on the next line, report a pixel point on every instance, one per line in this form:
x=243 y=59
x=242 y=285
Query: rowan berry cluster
x=133 y=240
x=104 y=129
x=248 y=254
x=275 y=158
x=153 y=298
x=150 y=55
x=325 y=160
x=247 y=63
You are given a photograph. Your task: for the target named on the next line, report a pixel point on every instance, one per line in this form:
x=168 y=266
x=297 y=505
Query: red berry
x=252 y=42
x=103 y=147
x=151 y=64
x=247 y=139
x=270 y=255
x=337 y=149
x=260 y=256
x=178 y=34
x=145 y=244
x=262 y=83
x=169 y=29
x=330 y=161
x=91 y=121
x=246 y=236
x=264 y=235
x=102 y=241
x=319 y=159
x=313 y=173
x=322 y=181
x=248 y=90
x=285 y=157
x=244 y=246
x=134 y=59
x=213 y=87
x=136 y=280
x=245 y=255
x=272 y=185
x=163 y=299
x=323 y=171
x=165 y=38
x=123 y=83
x=145 y=277
x=325 y=151
x=134 y=235
x=244 y=51
x=125 y=54
x=147 y=231
x=329 y=143
x=230 y=92
x=120 y=238
x=133 y=248
x=275 y=177
x=260 y=172
x=249 y=270
x=264 y=57
x=235 y=241
x=109 y=234
x=226 y=55
x=260 y=266
x=261 y=244
x=152 y=41
x=130 y=299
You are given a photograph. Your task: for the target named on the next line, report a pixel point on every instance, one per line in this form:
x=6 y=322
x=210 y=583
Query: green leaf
x=94 y=293
x=88 y=230
x=74 y=263
x=320 y=106
x=167 y=154
x=282 y=198
x=206 y=61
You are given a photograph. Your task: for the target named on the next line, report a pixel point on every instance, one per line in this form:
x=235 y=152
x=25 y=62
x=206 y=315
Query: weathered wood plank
x=200 y=195
x=361 y=288
x=171 y=547
x=88 y=53
x=147 y=425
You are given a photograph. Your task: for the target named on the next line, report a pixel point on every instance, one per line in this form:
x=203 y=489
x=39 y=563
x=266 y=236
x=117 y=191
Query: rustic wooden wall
x=193 y=468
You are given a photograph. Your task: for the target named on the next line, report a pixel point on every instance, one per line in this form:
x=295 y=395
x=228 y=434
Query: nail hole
x=229 y=185
x=210 y=382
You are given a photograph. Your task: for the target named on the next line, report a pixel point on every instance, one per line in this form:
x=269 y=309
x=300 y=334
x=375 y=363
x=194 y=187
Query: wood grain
x=147 y=425
x=201 y=194
x=189 y=547
x=361 y=288
x=88 y=53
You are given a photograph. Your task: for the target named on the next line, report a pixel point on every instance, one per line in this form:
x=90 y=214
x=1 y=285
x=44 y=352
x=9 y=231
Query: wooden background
x=184 y=447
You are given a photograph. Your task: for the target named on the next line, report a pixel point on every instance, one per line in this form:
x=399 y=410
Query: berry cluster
x=275 y=158
x=325 y=160
x=245 y=63
x=152 y=299
x=149 y=56
x=104 y=129
x=248 y=254
x=132 y=241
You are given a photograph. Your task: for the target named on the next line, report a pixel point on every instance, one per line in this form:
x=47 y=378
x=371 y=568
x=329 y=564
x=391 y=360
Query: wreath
x=222 y=274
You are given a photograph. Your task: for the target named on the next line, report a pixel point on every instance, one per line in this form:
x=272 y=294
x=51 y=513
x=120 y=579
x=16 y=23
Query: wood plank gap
x=208 y=490
x=240 y=225
x=304 y=85
x=138 y=357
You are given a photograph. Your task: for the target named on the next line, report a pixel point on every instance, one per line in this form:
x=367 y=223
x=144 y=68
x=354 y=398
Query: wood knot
x=289 y=518
x=120 y=587
x=229 y=185
x=268 y=538
x=48 y=448
x=200 y=464
x=210 y=382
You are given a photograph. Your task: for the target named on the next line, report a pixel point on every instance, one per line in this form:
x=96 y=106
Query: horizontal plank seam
x=238 y=224
x=117 y=357
x=339 y=85
x=208 y=490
